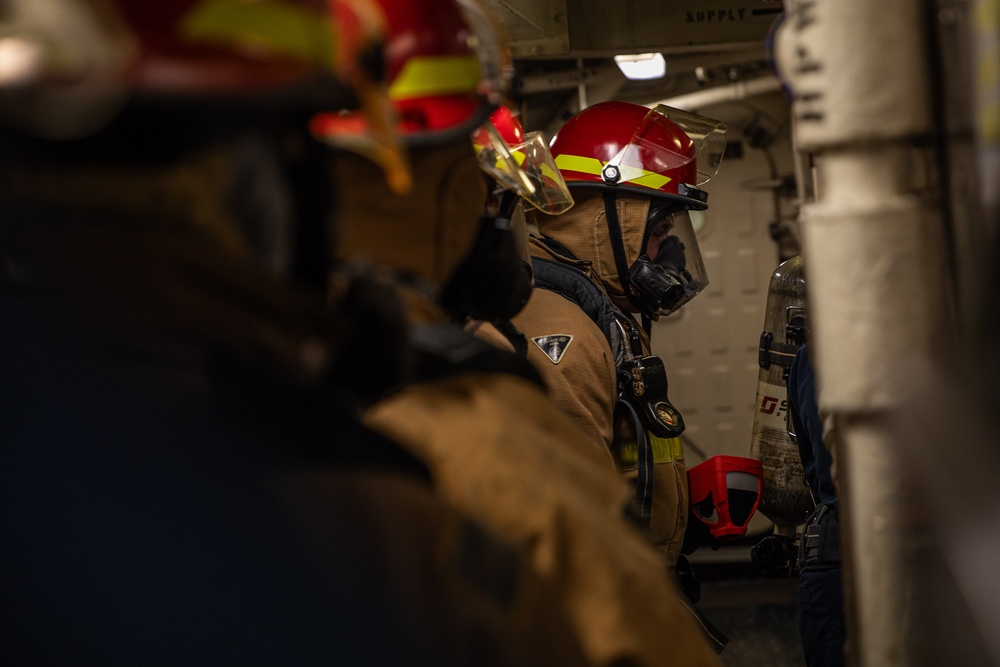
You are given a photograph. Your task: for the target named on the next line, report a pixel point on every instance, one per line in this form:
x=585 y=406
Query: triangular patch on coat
x=553 y=346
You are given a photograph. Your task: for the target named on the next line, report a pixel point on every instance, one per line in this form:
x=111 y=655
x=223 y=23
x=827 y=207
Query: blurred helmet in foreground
x=67 y=67
x=425 y=71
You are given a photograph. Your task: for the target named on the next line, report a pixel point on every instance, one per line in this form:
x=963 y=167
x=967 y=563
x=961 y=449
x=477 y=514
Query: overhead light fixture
x=641 y=66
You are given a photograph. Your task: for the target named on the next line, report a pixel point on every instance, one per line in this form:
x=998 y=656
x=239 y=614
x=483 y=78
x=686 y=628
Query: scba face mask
x=676 y=272
x=495 y=279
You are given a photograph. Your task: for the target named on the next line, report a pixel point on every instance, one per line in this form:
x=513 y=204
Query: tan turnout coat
x=583 y=378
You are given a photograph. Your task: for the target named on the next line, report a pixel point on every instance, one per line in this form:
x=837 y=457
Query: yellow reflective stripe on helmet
x=424 y=76
x=584 y=165
x=632 y=175
x=519 y=157
x=279 y=27
x=648 y=179
x=665 y=450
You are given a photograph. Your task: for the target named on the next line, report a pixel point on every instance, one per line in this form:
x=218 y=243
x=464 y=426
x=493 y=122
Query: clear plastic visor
x=519 y=228
x=647 y=159
x=672 y=245
x=527 y=169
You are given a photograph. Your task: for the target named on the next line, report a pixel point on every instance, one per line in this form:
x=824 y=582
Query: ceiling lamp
x=641 y=66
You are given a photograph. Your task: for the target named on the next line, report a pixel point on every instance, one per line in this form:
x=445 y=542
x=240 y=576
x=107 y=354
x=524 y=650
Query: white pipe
x=872 y=247
x=875 y=274
x=738 y=90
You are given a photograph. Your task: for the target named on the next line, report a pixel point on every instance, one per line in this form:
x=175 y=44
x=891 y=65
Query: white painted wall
x=710 y=345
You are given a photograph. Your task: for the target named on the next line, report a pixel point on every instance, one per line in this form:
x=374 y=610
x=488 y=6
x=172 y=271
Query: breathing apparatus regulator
x=676 y=274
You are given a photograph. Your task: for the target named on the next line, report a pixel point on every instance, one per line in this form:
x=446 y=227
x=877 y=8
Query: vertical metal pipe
x=872 y=242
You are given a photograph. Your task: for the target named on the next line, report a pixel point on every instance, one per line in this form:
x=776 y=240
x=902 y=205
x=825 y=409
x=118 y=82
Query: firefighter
x=183 y=478
x=479 y=416
x=520 y=173
x=625 y=252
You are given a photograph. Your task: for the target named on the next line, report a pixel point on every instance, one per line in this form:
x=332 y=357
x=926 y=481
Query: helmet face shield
x=497 y=159
x=708 y=135
x=670 y=271
x=526 y=168
x=548 y=191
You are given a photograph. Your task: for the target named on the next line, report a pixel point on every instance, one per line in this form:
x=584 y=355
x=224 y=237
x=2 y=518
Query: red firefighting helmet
x=521 y=163
x=507 y=125
x=660 y=152
x=442 y=67
x=724 y=492
x=74 y=65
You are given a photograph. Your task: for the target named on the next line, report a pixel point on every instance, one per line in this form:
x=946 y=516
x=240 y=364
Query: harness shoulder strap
x=574 y=285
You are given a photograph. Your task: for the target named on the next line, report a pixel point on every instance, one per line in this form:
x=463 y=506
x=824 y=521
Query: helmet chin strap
x=618 y=250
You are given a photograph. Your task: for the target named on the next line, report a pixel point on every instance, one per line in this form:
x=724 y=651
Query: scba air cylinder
x=785 y=498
